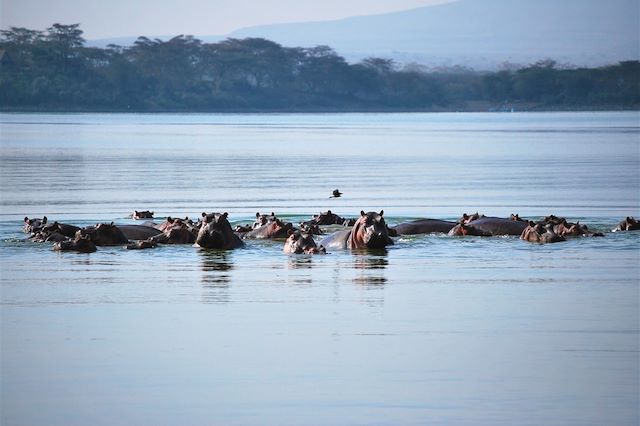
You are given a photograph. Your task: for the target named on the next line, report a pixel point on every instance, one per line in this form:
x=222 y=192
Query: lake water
x=434 y=330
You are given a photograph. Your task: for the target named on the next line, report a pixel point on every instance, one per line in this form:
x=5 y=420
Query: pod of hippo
x=368 y=231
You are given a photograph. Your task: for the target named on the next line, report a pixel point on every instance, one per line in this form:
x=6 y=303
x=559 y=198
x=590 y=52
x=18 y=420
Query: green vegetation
x=53 y=70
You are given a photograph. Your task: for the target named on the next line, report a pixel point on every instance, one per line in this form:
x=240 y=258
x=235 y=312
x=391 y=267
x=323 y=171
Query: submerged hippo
x=539 y=233
x=567 y=229
x=82 y=244
x=327 y=218
x=489 y=226
x=216 y=233
x=103 y=234
x=136 y=215
x=369 y=231
x=302 y=243
x=628 y=224
x=424 y=226
x=142 y=244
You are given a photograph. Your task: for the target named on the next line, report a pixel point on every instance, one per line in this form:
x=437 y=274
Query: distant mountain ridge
x=478 y=33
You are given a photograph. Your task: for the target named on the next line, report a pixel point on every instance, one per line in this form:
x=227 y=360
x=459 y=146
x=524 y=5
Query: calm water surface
x=434 y=330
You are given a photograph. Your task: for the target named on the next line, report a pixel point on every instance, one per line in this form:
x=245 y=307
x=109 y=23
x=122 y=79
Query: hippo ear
x=44 y=220
x=225 y=215
x=111 y=224
x=362 y=213
x=26 y=219
x=290 y=231
x=273 y=214
x=381 y=212
x=531 y=224
x=328 y=211
x=204 y=214
x=257 y=214
x=170 y=219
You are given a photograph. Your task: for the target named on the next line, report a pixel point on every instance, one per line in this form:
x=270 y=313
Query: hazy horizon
x=123 y=18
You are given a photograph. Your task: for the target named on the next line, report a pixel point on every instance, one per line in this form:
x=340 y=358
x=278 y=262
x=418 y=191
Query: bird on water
x=336 y=193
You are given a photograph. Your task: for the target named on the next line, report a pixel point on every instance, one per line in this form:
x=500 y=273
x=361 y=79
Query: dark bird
x=336 y=193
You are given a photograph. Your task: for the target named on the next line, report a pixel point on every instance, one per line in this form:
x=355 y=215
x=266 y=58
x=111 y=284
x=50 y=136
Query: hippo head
x=369 y=231
x=516 y=217
x=215 y=232
x=573 y=229
x=310 y=228
x=33 y=225
x=301 y=242
x=263 y=219
x=103 y=234
x=277 y=229
x=180 y=232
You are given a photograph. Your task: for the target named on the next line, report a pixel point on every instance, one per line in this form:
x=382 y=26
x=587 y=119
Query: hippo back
x=424 y=226
x=498 y=226
x=337 y=240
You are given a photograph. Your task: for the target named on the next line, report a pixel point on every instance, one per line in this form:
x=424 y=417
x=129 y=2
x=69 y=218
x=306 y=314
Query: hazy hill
x=479 y=33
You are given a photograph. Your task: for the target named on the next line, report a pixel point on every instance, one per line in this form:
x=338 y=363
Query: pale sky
x=117 y=18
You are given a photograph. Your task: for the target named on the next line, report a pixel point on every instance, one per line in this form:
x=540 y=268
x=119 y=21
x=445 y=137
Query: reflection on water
x=472 y=320
x=371 y=265
x=301 y=261
x=215 y=266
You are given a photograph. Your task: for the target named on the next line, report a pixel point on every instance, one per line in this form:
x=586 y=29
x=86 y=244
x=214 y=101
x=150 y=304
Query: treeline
x=54 y=70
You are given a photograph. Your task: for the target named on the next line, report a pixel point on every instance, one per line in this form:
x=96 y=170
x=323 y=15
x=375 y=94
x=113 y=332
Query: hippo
x=302 y=243
x=327 y=218
x=169 y=222
x=369 y=231
x=216 y=233
x=489 y=226
x=179 y=232
x=628 y=224
x=48 y=235
x=139 y=232
x=142 y=244
x=61 y=228
x=466 y=218
x=273 y=229
x=462 y=229
x=33 y=225
x=263 y=219
x=136 y=215
x=424 y=226
x=242 y=228
x=310 y=228
x=82 y=244
x=539 y=233
x=103 y=234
